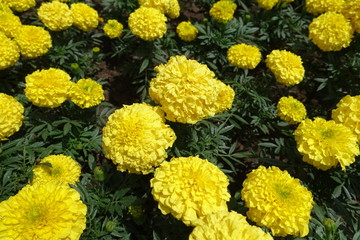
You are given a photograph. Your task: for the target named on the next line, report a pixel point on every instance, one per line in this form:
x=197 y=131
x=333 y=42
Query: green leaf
x=144 y=65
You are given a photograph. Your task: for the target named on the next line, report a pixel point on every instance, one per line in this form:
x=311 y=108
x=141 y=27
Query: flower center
x=328 y=133
x=283 y=191
x=36 y=214
x=55 y=172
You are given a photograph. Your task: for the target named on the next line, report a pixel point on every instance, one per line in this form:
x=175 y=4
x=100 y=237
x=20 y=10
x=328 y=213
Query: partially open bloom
x=136 y=137
x=171 y=8
x=224 y=225
x=11 y=116
x=267 y=4
x=20 y=5
x=223 y=10
x=351 y=10
x=188 y=91
x=57 y=168
x=86 y=93
x=286 y=66
x=331 y=31
x=113 y=28
x=190 y=188
x=244 y=56
x=321 y=6
x=55 y=15
x=277 y=201
x=347 y=112
x=186 y=31
x=147 y=23
x=10 y=23
x=43 y=211
x=9 y=52
x=85 y=17
x=324 y=144
x=291 y=110
x=47 y=88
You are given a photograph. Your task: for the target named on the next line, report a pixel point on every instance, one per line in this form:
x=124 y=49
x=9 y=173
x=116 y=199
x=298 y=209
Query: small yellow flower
x=321 y=6
x=9 y=52
x=223 y=11
x=113 y=28
x=186 y=31
x=84 y=17
x=11 y=116
x=20 y=5
x=10 y=23
x=86 y=93
x=291 y=110
x=55 y=15
x=267 y=4
x=351 y=10
x=244 y=56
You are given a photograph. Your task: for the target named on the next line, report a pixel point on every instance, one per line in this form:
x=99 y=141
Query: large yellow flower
x=321 y=6
x=223 y=10
x=11 y=116
x=291 y=110
x=84 y=17
x=9 y=52
x=190 y=188
x=10 y=23
x=187 y=90
x=136 y=138
x=55 y=15
x=43 y=211
x=113 y=28
x=224 y=225
x=169 y=7
x=20 y=5
x=147 y=23
x=331 y=31
x=267 y=4
x=277 y=201
x=57 y=168
x=86 y=93
x=286 y=66
x=47 y=88
x=244 y=56
x=351 y=10
x=324 y=144
x=186 y=31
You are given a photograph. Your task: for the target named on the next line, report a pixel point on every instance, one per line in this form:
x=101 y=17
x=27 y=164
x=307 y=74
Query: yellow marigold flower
x=351 y=10
x=113 y=28
x=169 y=7
x=136 y=138
x=60 y=0
x=147 y=23
x=331 y=31
x=47 y=88
x=10 y=23
x=321 y=6
x=86 y=93
x=43 y=211
x=190 y=188
x=186 y=31
x=20 y=5
x=286 y=66
x=224 y=225
x=187 y=91
x=61 y=169
x=55 y=15
x=173 y=11
x=347 y=112
x=223 y=11
x=291 y=110
x=277 y=201
x=267 y=4
x=11 y=116
x=9 y=52
x=85 y=17
x=324 y=144
x=244 y=56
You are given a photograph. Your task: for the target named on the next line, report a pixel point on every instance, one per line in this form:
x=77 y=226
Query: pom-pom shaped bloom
x=84 y=17
x=136 y=138
x=43 y=211
x=147 y=23
x=331 y=31
x=226 y=225
x=347 y=112
x=86 y=93
x=351 y=10
x=291 y=110
x=186 y=31
x=190 y=188
x=321 y=6
x=267 y=4
x=55 y=15
x=244 y=56
x=187 y=90
x=11 y=116
x=10 y=23
x=277 y=201
x=9 y=52
x=47 y=88
x=324 y=144
x=223 y=11
x=286 y=66
x=20 y=5
x=113 y=28
x=169 y=7
x=57 y=168
x=33 y=41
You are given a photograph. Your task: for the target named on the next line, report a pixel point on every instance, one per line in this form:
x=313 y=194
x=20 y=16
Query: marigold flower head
x=47 y=88
x=60 y=0
x=169 y=7
x=9 y=52
x=10 y=23
x=11 y=116
x=84 y=17
x=223 y=10
x=113 y=28
x=277 y=201
x=187 y=90
x=324 y=144
x=147 y=23
x=55 y=15
x=321 y=6
x=61 y=169
x=136 y=137
x=291 y=110
x=286 y=66
x=347 y=112
x=351 y=10
x=86 y=93
x=224 y=225
x=244 y=56
x=20 y=5
x=186 y=31
x=331 y=31
x=190 y=188
x=267 y=4
x=43 y=211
